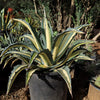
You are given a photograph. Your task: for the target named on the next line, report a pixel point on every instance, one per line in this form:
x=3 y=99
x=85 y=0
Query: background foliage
x=61 y=13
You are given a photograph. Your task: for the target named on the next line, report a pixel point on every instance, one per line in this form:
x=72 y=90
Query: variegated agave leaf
x=46 y=57
x=14 y=46
x=26 y=24
x=32 y=42
x=83 y=57
x=29 y=73
x=72 y=49
x=65 y=73
x=62 y=42
x=82 y=26
x=8 y=60
x=17 y=69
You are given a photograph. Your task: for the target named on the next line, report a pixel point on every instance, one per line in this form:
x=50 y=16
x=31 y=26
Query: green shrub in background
x=61 y=13
x=97 y=81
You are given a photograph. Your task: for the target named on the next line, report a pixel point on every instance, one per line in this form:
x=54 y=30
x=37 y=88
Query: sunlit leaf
x=65 y=73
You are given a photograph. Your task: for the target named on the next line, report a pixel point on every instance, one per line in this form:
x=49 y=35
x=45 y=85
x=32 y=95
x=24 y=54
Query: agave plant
x=8 y=33
x=44 y=52
x=5 y=28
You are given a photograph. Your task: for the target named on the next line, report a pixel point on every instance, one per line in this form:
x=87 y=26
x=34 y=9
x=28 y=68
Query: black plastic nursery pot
x=94 y=92
x=47 y=87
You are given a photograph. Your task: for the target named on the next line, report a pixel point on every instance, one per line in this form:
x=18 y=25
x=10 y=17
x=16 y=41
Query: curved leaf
x=74 y=47
x=47 y=34
x=32 y=58
x=14 y=61
x=3 y=57
x=77 y=44
x=66 y=41
x=81 y=26
x=76 y=53
x=26 y=54
x=26 y=24
x=17 y=69
x=46 y=57
x=83 y=57
x=29 y=73
x=65 y=74
x=13 y=46
x=22 y=58
x=7 y=60
x=57 y=43
x=31 y=39
x=62 y=41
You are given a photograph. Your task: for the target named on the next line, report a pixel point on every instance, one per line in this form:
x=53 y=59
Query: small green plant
x=97 y=81
x=43 y=52
x=9 y=31
x=94 y=71
x=4 y=23
x=6 y=26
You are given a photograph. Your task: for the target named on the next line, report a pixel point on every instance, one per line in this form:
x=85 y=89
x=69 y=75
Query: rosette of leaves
x=8 y=31
x=45 y=53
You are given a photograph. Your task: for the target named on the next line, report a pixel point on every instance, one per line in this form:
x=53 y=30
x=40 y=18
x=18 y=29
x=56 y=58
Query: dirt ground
x=80 y=84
